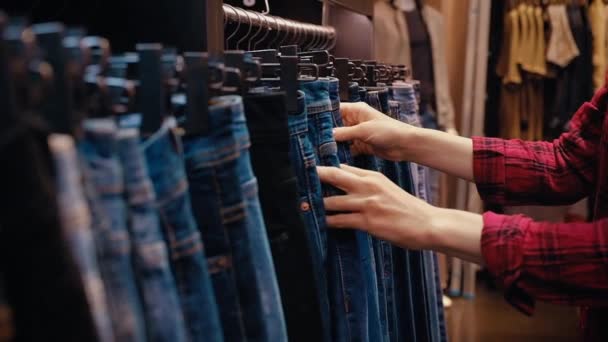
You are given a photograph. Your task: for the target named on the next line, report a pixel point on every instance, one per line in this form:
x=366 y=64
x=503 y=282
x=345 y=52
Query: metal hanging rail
x=294 y=32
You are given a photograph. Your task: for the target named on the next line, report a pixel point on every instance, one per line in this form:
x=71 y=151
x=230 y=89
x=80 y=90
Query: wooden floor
x=490 y=318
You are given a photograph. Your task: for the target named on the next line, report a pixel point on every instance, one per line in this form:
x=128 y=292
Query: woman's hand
x=376 y=205
x=372 y=132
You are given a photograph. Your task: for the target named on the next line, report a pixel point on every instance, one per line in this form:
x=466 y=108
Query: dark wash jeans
x=164 y=154
x=41 y=280
x=347 y=287
x=104 y=175
x=376 y=310
x=225 y=198
x=311 y=206
x=218 y=209
x=162 y=310
x=289 y=240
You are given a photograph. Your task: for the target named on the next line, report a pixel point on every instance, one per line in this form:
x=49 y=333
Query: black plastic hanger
x=196 y=69
x=58 y=104
x=151 y=92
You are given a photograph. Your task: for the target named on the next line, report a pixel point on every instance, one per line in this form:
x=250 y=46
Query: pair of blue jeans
x=292 y=250
x=422 y=262
x=371 y=264
x=312 y=210
x=76 y=225
x=225 y=199
x=347 y=286
x=157 y=286
x=164 y=155
x=104 y=175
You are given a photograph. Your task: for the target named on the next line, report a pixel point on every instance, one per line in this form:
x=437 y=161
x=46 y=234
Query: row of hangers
x=66 y=75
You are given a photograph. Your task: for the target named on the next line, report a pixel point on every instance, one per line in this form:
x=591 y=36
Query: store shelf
x=365 y=7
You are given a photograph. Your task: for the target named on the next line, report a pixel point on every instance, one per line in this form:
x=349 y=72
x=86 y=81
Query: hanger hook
x=268 y=29
x=261 y=27
x=308 y=37
x=317 y=38
x=238 y=26
x=238 y=44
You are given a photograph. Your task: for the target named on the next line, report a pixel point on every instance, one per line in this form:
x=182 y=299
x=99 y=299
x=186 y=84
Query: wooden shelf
x=365 y=7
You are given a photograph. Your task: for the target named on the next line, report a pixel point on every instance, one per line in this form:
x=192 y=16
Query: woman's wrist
x=456 y=233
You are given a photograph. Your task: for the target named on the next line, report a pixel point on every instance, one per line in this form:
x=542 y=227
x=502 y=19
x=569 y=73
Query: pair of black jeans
x=42 y=282
x=289 y=241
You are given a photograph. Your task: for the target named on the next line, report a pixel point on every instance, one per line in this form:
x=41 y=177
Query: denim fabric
x=291 y=248
x=311 y=206
x=378 y=98
x=164 y=155
x=225 y=190
x=362 y=94
x=76 y=225
x=443 y=332
x=270 y=309
x=378 y=330
x=427 y=316
x=219 y=210
x=347 y=287
x=354 y=92
x=101 y=165
x=164 y=318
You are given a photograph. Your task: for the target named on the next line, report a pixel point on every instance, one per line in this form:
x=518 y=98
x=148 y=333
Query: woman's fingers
x=344 y=203
x=357 y=171
x=353 y=220
x=339 y=178
x=348 y=133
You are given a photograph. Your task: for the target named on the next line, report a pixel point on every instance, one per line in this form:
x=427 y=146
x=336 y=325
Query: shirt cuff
x=489 y=156
x=502 y=246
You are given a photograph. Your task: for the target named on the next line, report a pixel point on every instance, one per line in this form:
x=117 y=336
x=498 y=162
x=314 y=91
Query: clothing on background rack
x=185 y=204
x=543 y=48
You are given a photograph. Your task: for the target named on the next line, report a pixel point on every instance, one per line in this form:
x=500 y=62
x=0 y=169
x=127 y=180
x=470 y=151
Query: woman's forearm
x=456 y=233
x=442 y=151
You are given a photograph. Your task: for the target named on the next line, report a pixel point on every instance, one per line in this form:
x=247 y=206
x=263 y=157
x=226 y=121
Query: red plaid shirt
x=565 y=263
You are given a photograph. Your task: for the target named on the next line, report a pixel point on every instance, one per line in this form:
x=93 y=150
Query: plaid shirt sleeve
x=515 y=172
x=563 y=263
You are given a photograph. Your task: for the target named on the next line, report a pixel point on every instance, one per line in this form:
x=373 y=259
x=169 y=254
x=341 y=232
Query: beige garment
x=524 y=34
x=391 y=38
x=531 y=41
x=445 y=106
x=597 y=19
x=562 y=46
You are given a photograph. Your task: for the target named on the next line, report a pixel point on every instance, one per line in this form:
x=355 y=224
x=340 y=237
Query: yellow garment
x=513 y=74
x=597 y=19
x=524 y=34
x=529 y=43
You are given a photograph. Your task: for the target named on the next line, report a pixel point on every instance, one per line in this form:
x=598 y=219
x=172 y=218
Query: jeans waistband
x=163 y=151
x=334 y=93
x=354 y=92
x=317 y=96
x=298 y=122
x=267 y=117
x=100 y=147
x=381 y=94
x=227 y=137
x=138 y=183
